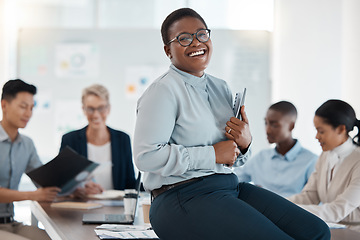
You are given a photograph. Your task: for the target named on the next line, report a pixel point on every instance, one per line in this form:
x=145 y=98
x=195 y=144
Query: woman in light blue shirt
x=185 y=140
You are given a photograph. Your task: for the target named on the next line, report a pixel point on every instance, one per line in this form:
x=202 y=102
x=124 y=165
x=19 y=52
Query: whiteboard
x=118 y=59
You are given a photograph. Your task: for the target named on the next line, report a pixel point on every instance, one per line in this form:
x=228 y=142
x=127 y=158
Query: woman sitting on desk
x=186 y=136
x=336 y=180
x=102 y=144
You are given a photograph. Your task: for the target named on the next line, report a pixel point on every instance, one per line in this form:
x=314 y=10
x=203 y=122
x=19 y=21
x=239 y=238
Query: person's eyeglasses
x=185 y=39
x=91 y=110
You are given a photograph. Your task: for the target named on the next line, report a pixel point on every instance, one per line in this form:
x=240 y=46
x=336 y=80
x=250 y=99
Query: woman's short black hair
x=13 y=87
x=337 y=112
x=175 y=16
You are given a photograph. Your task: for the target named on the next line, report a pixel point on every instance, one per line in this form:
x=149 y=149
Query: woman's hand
x=90 y=188
x=239 y=131
x=79 y=193
x=93 y=188
x=226 y=152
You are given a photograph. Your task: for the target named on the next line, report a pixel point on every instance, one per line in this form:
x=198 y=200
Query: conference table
x=66 y=224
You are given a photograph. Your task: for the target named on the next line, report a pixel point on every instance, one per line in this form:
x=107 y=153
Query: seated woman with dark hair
x=336 y=180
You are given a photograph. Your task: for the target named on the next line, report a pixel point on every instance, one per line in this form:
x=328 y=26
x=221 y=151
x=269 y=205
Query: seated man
x=286 y=168
x=18 y=155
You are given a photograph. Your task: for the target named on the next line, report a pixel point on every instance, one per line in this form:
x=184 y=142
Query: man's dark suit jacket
x=122 y=165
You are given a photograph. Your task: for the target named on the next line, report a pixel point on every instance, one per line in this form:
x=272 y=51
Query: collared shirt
x=336 y=157
x=285 y=175
x=179 y=118
x=16 y=158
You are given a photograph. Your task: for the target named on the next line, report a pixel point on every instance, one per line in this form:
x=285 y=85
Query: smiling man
x=286 y=168
x=18 y=155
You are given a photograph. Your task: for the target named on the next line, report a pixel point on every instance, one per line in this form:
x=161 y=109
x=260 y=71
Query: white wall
x=315 y=57
x=117 y=14
x=4 y=51
x=351 y=53
x=315 y=45
x=2 y=41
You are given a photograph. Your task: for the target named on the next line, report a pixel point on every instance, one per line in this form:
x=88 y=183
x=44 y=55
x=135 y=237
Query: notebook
x=108 y=194
x=238 y=103
x=76 y=205
x=91 y=218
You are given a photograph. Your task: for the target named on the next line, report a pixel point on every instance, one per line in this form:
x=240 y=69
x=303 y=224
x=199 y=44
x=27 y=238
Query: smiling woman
x=102 y=144
x=191 y=46
x=186 y=140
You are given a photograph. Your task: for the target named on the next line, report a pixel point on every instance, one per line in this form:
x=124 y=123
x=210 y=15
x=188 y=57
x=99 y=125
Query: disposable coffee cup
x=146 y=204
x=129 y=203
x=128 y=191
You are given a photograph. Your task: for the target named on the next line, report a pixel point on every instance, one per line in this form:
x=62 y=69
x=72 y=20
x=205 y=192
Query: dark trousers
x=218 y=207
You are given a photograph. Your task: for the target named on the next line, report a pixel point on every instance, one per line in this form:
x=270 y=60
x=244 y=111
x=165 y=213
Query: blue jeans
x=219 y=207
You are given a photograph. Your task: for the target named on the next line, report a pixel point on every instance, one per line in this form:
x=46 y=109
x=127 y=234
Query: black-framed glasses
x=185 y=39
x=91 y=110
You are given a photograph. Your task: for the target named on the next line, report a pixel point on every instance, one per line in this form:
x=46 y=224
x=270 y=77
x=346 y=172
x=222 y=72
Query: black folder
x=66 y=171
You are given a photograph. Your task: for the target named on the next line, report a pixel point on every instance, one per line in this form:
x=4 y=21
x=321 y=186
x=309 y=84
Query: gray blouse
x=179 y=118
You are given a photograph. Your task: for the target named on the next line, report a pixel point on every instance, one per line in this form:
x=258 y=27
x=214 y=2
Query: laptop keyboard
x=117 y=217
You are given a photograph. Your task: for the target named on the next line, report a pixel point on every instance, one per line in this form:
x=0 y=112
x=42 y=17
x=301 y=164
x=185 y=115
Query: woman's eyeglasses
x=91 y=110
x=185 y=39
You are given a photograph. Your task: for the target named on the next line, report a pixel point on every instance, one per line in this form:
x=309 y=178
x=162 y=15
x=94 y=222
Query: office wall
x=351 y=53
x=2 y=43
x=120 y=59
x=307 y=59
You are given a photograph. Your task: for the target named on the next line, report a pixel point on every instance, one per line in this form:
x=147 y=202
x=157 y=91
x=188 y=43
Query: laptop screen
x=127 y=218
x=134 y=196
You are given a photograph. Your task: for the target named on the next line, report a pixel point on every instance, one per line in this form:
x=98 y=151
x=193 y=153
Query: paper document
x=121 y=227
x=108 y=194
x=66 y=171
x=335 y=225
x=105 y=234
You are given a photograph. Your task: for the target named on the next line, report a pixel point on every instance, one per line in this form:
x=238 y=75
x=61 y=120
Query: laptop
x=93 y=218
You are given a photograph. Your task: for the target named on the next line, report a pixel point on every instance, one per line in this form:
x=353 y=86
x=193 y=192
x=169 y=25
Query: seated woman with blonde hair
x=102 y=144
